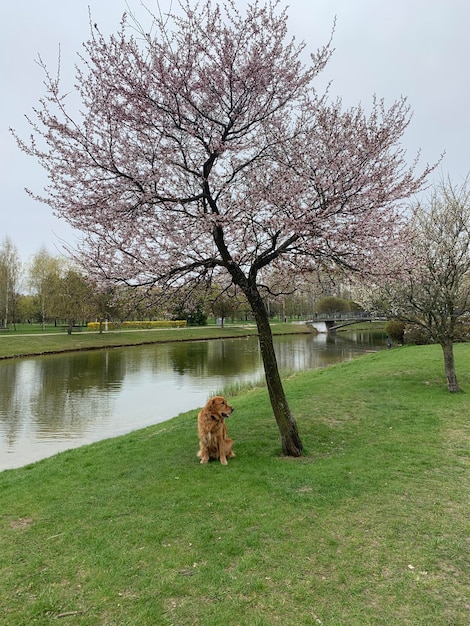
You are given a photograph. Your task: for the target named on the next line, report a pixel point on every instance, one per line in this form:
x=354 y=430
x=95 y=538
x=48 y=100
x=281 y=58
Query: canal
x=52 y=403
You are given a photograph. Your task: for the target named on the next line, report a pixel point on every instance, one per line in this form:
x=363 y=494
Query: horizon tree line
x=48 y=289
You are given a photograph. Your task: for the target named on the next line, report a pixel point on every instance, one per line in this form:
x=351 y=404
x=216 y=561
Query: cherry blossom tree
x=434 y=291
x=201 y=147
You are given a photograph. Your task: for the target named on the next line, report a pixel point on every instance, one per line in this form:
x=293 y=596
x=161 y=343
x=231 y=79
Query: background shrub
x=395 y=330
x=416 y=335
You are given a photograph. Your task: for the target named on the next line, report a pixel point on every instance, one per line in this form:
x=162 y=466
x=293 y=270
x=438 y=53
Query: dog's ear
x=211 y=403
x=215 y=402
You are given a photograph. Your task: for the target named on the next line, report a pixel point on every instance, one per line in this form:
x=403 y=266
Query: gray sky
x=416 y=48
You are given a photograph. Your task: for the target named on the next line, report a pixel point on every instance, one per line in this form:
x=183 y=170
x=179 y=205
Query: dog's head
x=218 y=407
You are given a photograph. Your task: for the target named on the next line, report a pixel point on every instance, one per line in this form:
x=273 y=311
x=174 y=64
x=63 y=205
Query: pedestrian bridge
x=329 y=322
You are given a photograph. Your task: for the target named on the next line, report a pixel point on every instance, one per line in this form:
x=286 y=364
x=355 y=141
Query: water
x=52 y=403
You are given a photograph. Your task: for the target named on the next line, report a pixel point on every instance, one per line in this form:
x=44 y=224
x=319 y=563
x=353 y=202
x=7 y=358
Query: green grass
x=369 y=527
x=22 y=343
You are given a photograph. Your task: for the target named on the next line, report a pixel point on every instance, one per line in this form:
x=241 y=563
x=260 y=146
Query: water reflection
x=51 y=403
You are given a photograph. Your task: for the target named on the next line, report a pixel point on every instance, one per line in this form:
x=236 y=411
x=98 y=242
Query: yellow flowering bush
x=138 y=325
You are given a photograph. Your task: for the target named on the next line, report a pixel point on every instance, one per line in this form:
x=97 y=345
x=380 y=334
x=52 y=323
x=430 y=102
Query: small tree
x=203 y=148
x=434 y=294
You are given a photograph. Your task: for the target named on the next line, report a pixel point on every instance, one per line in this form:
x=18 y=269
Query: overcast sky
x=416 y=48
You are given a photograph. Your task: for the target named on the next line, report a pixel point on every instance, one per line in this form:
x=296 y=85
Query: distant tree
x=224 y=303
x=434 y=294
x=27 y=308
x=104 y=303
x=77 y=298
x=10 y=269
x=44 y=281
x=191 y=311
x=202 y=147
x=289 y=294
x=332 y=304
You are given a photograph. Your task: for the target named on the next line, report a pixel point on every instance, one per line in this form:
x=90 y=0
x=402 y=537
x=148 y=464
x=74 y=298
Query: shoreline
x=60 y=343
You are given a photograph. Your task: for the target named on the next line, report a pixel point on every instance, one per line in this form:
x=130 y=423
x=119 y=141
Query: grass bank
x=370 y=527
x=24 y=343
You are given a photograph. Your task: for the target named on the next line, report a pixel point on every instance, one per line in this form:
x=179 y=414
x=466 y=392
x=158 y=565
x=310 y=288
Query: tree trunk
x=449 y=364
x=290 y=440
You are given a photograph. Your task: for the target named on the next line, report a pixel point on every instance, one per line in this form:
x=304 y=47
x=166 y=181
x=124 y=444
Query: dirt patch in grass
x=22 y=522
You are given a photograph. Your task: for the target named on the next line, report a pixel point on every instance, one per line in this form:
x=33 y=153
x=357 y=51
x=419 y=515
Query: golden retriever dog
x=212 y=431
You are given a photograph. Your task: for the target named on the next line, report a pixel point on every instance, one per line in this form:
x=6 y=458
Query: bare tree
x=203 y=147
x=435 y=291
x=10 y=269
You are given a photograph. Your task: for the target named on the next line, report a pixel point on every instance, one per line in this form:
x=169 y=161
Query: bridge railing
x=341 y=316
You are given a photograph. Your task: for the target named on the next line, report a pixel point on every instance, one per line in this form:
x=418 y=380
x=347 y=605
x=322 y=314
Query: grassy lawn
x=31 y=339
x=370 y=527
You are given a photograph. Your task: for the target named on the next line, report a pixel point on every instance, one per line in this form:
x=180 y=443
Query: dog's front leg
x=203 y=453
x=222 y=452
